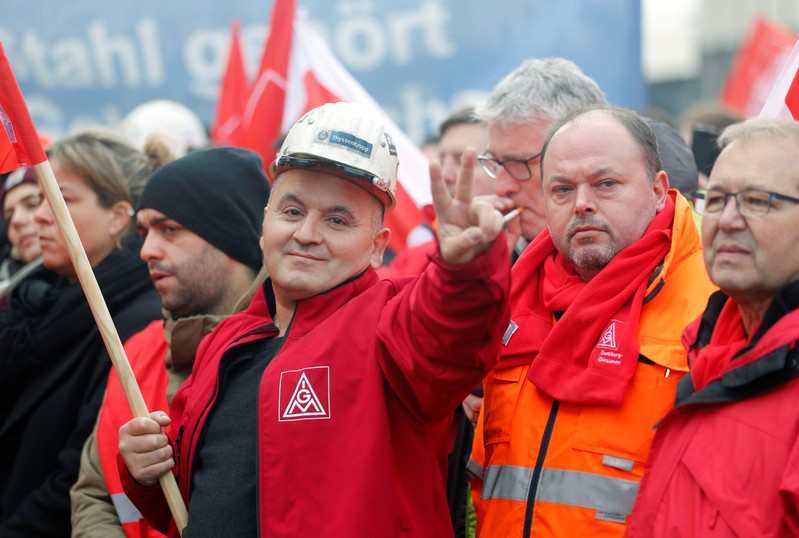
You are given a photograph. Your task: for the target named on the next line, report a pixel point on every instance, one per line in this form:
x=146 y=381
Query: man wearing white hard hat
x=320 y=410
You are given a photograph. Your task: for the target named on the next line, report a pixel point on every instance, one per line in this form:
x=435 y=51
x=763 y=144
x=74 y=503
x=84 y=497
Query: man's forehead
x=764 y=163
x=469 y=133
x=148 y=216
x=321 y=189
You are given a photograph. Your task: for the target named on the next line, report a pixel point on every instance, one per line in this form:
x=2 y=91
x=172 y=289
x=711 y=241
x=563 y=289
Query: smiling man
x=592 y=356
x=725 y=460
x=319 y=411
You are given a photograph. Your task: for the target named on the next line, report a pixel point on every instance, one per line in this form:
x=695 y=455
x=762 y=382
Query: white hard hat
x=170 y=119
x=345 y=139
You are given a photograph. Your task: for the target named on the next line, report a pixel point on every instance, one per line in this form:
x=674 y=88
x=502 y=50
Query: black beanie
x=219 y=194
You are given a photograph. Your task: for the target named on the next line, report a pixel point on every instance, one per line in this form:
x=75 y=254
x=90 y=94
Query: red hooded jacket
x=387 y=362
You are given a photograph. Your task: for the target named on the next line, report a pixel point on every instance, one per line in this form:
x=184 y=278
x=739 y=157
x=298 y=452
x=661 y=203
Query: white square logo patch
x=304 y=394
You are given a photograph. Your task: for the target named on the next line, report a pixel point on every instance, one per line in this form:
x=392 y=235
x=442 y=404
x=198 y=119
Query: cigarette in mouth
x=512 y=215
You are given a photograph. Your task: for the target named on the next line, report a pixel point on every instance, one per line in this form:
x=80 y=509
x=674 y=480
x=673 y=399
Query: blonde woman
x=53 y=363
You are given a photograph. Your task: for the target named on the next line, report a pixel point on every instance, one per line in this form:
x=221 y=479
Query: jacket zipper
x=178 y=441
x=191 y=455
x=539 y=464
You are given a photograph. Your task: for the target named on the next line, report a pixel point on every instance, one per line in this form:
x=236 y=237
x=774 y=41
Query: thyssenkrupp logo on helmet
x=304 y=394
x=346 y=140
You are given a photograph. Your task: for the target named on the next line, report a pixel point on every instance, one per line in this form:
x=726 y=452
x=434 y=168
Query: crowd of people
x=600 y=341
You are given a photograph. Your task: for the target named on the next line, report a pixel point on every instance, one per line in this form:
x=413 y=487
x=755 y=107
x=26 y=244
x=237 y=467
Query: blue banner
x=85 y=62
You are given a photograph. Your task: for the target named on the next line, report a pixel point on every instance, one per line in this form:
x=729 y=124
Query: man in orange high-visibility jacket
x=200 y=219
x=592 y=356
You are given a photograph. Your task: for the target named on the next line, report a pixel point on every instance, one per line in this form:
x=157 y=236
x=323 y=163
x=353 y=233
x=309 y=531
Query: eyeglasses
x=518 y=169
x=750 y=202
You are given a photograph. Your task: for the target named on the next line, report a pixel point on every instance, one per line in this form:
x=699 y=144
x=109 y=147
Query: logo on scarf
x=608 y=339
x=310 y=399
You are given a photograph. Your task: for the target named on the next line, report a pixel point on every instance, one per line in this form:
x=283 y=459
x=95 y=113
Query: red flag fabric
x=792 y=96
x=313 y=77
x=783 y=100
x=756 y=66
x=233 y=94
x=263 y=114
x=19 y=142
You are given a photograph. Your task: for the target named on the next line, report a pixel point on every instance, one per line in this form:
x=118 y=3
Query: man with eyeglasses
x=592 y=356
x=519 y=112
x=725 y=460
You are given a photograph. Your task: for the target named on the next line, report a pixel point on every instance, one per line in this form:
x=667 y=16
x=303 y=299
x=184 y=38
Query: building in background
x=86 y=62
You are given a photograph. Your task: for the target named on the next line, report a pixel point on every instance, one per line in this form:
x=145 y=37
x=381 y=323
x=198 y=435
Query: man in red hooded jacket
x=318 y=410
x=725 y=460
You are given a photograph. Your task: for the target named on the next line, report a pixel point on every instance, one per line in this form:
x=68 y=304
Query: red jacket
x=411 y=261
x=146 y=350
x=388 y=361
x=725 y=460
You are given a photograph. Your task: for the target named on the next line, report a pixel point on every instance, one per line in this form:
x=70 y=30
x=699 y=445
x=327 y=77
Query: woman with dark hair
x=53 y=363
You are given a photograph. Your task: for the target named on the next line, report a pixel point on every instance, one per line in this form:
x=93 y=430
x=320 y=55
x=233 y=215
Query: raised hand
x=145 y=448
x=466 y=226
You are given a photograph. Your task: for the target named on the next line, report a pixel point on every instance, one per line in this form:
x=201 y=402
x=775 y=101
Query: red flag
x=264 y=112
x=756 y=66
x=19 y=142
x=783 y=100
x=313 y=77
x=792 y=96
x=233 y=94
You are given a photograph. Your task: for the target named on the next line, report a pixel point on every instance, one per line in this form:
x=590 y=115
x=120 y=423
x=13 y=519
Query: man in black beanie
x=217 y=193
x=200 y=218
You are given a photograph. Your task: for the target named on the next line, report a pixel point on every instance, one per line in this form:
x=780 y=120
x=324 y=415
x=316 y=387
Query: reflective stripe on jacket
x=547 y=468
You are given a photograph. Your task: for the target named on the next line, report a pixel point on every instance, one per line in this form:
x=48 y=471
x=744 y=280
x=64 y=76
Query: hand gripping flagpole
x=19 y=127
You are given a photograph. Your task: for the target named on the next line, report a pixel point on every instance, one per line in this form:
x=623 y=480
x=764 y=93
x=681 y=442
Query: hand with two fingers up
x=466 y=227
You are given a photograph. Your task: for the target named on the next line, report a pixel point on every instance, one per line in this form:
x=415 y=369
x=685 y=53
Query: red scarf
x=591 y=354
x=729 y=337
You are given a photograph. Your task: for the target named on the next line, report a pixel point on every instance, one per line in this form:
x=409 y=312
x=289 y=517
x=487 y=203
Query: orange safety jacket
x=146 y=351
x=546 y=468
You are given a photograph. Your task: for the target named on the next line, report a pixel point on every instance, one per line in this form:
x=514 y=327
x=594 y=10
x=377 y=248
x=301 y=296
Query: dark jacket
x=53 y=369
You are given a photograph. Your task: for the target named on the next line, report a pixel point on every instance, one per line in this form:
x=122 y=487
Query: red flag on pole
x=783 y=100
x=19 y=141
x=20 y=136
x=312 y=77
x=755 y=67
x=792 y=96
x=233 y=94
x=264 y=111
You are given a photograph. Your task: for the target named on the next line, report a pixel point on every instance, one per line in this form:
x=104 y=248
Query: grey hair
x=757 y=128
x=540 y=89
x=637 y=127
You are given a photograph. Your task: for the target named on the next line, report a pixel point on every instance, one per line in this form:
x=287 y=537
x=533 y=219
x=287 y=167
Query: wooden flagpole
x=105 y=323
